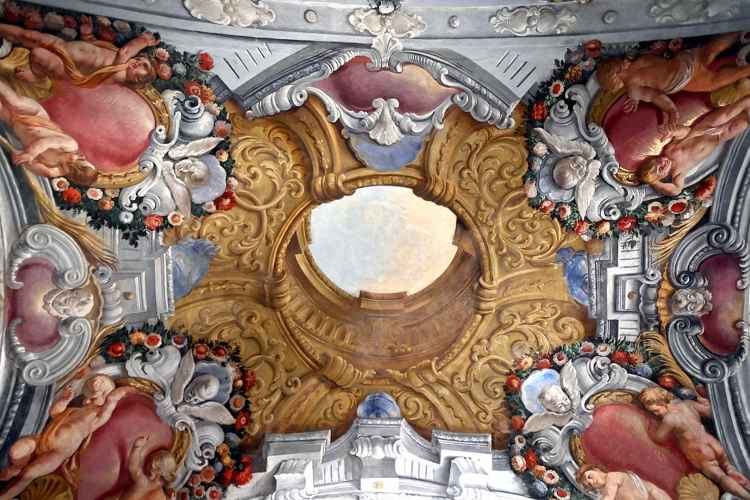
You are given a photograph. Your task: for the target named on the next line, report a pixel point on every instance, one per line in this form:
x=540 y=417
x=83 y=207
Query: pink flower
x=161 y=54
x=95 y=194
x=175 y=218
x=222 y=128
x=60 y=184
x=164 y=71
x=563 y=211
x=560 y=358
x=556 y=88
x=675 y=45
x=547 y=206
x=518 y=463
x=531 y=190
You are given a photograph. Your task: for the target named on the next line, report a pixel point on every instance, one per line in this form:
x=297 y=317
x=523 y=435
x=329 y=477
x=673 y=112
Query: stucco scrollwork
x=692 y=11
x=71 y=274
x=242 y=13
x=523 y=21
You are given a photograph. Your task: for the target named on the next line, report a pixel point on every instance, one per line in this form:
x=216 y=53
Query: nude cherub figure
x=682 y=419
x=652 y=78
x=47 y=150
x=150 y=474
x=618 y=485
x=81 y=62
x=690 y=145
x=69 y=428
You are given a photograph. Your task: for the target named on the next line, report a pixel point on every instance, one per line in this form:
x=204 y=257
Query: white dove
x=575 y=166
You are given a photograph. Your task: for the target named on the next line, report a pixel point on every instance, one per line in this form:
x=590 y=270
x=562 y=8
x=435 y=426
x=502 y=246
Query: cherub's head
x=656 y=400
x=80 y=170
x=609 y=73
x=161 y=465
x=655 y=170
x=691 y=301
x=140 y=71
x=97 y=388
x=554 y=399
x=68 y=303
x=192 y=170
x=591 y=477
x=569 y=171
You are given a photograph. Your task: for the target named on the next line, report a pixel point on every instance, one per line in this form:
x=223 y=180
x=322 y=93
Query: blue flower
x=378 y=405
x=576 y=271
x=179 y=69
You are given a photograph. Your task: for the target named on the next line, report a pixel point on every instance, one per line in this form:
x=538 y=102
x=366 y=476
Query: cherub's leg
x=20 y=454
x=725 y=76
x=44 y=464
x=713 y=471
x=730 y=470
x=720 y=121
x=45 y=63
x=28 y=38
x=17 y=104
x=717 y=45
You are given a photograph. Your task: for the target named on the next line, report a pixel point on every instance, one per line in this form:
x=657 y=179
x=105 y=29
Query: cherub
x=47 y=150
x=559 y=401
x=574 y=168
x=69 y=428
x=618 y=485
x=690 y=145
x=682 y=420
x=652 y=78
x=81 y=62
x=150 y=474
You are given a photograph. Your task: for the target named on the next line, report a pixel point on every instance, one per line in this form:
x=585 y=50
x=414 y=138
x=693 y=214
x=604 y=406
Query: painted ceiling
x=430 y=249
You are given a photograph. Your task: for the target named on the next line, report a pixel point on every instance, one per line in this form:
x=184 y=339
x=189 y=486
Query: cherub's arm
x=656 y=493
x=611 y=487
x=134 y=46
x=703 y=407
x=40 y=168
x=662 y=432
x=657 y=98
x=62 y=402
x=105 y=413
x=136 y=460
x=670 y=188
x=41 y=146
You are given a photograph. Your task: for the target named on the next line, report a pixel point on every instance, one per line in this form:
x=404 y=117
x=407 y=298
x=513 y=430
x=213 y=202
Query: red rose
x=243 y=476
x=32 y=20
x=243 y=418
x=12 y=12
x=207 y=474
x=620 y=357
x=116 y=349
x=246 y=459
x=248 y=381
x=667 y=381
x=706 y=188
x=200 y=351
x=513 y=383
x=633 y=359
x=107 y=34
x=226 y=477
x=658 y=48
x=539 y=111
x=192 y=88
x=226 y=201
x=70 y=22
x=547 y=206
x=153 y=222
x=207 y=94
x=626 y=223
x=701 y=390
x=593 y=48
x=675 y=45
x=581 y=227
x=544 y=363
x=205 y=61
x=531 y=459
x=517 y=422
x=71 y=195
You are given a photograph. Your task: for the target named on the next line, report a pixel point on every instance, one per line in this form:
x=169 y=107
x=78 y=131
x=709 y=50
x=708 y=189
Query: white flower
x=95 y=194
x=175 y=218
x=126 y=217
x=112 y=192
x=232 y=183
x=560 y=358
x=563 y=211
x=531 y=190
x=536 y=164
x=209 y=207
x=540 y=149
x=667 y=220
x=213 y=108
x=556 y=88
x=603 y=350
x=60 y=184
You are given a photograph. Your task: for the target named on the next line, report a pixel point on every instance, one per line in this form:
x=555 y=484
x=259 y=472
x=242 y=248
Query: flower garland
x=549 y=482
x=175 y=70
x=579 y=65
x=232 y=465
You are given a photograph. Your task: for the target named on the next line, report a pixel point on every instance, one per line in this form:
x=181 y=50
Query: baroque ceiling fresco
x=440 y=250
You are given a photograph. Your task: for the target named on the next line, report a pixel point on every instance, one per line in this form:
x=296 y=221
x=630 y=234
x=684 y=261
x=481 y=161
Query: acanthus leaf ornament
x=524 y=21
x=242 y=13
x=387 y=29
x=692 y=11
